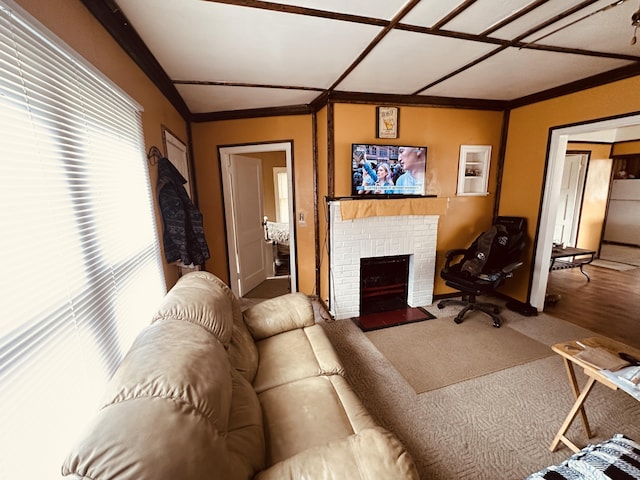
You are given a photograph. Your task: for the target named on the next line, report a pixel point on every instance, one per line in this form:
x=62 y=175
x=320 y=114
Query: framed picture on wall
x=387 y=122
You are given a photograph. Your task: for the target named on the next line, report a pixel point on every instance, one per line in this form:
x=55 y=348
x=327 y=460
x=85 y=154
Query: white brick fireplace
x=379 y=236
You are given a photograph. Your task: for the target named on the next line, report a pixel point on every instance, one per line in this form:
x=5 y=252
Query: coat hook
x=154 y=155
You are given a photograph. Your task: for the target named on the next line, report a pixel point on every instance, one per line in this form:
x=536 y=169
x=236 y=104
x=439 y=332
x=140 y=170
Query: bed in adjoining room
x=278 y=234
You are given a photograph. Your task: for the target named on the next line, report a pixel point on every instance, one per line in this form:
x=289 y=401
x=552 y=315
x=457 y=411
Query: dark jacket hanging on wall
x=183 y=232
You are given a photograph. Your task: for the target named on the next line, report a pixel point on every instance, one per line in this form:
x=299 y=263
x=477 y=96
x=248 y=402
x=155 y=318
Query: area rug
x=620 y=254
x=620 y=267
x=431 y=355
x=376 y=321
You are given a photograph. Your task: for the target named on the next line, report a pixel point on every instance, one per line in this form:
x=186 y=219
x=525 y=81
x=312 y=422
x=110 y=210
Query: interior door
x=569 y=201
x=246 y=179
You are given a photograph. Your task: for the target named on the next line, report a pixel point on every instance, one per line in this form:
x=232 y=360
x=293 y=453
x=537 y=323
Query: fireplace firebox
x=384 y=283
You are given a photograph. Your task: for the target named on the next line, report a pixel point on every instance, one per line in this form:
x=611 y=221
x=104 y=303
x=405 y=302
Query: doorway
x=242 y=193
x=551 y=197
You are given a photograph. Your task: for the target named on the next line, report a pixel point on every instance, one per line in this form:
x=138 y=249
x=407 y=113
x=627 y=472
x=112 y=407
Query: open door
x=570 y=200
x=244 y=215
x=246 y=194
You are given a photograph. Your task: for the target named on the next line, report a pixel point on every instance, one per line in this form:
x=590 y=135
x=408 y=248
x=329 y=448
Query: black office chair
x=484 y=266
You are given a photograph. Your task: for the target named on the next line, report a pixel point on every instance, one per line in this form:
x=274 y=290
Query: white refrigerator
x=623 y=217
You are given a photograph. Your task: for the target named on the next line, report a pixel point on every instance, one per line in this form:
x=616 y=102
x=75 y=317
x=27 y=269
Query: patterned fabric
x=183 y=232
x=278 y=232
x=615 y=459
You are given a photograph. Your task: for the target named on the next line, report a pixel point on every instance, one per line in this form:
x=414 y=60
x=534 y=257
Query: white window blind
x=81 y=273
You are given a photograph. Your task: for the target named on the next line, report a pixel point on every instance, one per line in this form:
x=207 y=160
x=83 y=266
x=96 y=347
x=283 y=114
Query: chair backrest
x=508 y=244
x=496 y=248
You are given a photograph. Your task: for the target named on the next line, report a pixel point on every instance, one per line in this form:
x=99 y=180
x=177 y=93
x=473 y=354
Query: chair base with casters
x=470 y=303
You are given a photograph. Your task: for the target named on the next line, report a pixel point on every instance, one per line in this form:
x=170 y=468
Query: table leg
x=575 y=388
x=577 y=406
x=584 y=273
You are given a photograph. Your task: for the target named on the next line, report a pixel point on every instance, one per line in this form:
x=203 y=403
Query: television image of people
x=388 y=170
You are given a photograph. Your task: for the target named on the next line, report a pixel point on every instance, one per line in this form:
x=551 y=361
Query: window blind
x=81 y=273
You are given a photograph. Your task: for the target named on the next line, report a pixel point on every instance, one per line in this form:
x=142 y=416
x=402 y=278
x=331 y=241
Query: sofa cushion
x=243 y=352
x=374 y=453
x=179 y=361
x=280 y=314
x=293 y=355
x=308 y=413
x=242 y=349
x=201 y=298
x=245 y=438
x=175 y=408
x=150 y=438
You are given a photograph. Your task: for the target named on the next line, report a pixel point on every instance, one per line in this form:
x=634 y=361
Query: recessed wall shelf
x=473 y=169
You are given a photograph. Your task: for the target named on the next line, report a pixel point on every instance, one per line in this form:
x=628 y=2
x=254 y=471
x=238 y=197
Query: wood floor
x=609 y=304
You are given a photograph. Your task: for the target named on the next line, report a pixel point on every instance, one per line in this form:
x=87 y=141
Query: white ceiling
x=225 y=56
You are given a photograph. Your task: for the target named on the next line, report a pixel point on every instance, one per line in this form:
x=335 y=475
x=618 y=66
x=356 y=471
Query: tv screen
x=388 y=169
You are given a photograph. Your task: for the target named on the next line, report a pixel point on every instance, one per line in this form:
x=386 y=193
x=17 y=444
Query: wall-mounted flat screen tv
x=388 y=170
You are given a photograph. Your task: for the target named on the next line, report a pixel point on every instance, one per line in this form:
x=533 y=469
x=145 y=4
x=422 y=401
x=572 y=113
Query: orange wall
x=526 y=151
x=207 y=137
x=442 y=131
x=72 y=22
x=626 y=148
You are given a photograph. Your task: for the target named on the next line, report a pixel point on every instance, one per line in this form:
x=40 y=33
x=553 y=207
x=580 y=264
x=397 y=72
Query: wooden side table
x=573 y=257
x=568 y=351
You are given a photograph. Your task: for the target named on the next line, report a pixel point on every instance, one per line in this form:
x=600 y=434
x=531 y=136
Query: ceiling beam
x=406 y=9
x=252 y=113
x=117 y=24
x=309 y=12
x=416 y=100
x=579 y=85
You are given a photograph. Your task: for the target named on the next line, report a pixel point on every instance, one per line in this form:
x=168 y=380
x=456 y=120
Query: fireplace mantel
x=362 y=208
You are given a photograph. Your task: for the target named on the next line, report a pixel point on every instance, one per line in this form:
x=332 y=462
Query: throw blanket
x=278 y=232
x=617 y=459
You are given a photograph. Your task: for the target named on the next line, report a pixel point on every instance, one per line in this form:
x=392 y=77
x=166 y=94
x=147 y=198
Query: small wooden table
x=574 y=257
x=568 y=350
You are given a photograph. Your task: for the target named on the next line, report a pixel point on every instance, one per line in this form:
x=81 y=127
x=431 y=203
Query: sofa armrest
x=280 y=314
x=372 y=454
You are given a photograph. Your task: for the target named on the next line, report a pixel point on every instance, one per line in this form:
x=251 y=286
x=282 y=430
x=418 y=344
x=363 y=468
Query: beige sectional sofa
x=207 y=392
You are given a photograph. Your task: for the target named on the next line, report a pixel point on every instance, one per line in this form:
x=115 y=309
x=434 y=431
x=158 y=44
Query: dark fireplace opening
x=384 y=283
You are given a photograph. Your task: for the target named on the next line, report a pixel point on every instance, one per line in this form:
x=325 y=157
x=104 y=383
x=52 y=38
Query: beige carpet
x=492 y=427
x=437 y=353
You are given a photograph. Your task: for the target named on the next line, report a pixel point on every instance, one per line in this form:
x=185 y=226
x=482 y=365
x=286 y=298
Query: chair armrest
x=511 y=267
x=450 y=255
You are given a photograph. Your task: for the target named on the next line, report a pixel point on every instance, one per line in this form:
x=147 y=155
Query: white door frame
x=225 y=159
x=555 y=164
